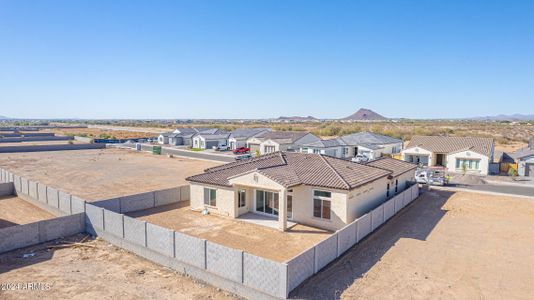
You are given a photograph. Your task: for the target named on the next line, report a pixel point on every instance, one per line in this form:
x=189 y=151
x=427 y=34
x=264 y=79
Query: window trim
x=211 y=202
x=239 y=204
x=323 y=199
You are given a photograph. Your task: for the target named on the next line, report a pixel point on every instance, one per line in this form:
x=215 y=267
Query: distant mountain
x=3 y=118
x=297 y=118
x=514 y=117
x=364 y=114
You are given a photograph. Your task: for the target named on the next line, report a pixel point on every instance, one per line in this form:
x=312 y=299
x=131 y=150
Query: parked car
x=431 y=177
x=360 y=158
x=241 y=150
x=242 y=157
x=222 y=147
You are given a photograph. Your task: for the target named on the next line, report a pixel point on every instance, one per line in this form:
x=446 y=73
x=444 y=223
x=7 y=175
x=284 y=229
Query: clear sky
x=258 y=59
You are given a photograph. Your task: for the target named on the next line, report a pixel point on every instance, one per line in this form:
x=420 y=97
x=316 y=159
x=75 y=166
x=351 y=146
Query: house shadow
x=416 y=221
x=35 y=254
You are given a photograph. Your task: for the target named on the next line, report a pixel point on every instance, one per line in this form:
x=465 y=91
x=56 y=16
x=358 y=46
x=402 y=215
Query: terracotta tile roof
x=397 y=167
x=451 y=144
x=289 y=169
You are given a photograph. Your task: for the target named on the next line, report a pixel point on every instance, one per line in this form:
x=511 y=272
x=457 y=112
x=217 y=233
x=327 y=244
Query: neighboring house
x=269 y=142
x=455 y=153
x=238 y=138
x=311 y=189
x=183 y=136
x=369 y=144
x=524 y=158
x=333 y=147
x=208 y=141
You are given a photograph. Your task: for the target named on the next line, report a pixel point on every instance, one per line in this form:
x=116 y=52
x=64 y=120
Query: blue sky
x=256 y=59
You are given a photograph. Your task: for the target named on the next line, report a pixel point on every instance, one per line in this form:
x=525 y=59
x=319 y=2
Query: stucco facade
x=345 y=206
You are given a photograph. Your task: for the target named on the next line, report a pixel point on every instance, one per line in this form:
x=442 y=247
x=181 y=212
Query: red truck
x=241 y=150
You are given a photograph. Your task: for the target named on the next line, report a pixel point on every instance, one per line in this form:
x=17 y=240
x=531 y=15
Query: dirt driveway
x=98 y=271
x=445 y=245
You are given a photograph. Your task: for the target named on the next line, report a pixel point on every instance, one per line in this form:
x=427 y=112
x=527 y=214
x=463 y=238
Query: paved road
x=505 y=189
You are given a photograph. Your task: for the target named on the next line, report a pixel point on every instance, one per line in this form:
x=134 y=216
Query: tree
x=512 y=173
x=464 y=168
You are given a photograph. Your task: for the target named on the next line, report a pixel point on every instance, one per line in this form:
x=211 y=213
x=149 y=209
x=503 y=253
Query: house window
x=316 y=151
x=345 y=151
x=470 y=164
x=270 y=149
x=290 y=206
x=267 y=202
x=387 y=191
x=396 y=186
x=304 y=150
x=210 y=197
x=241 y=198
x=322 y=204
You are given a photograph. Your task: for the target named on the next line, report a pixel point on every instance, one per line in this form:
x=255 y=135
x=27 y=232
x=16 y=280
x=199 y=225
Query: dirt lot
x=15 y=211
x=98 y=271
x=105 y=173
x=251 y=238
x=446 y=246
x=103 y=133
x=39 y=143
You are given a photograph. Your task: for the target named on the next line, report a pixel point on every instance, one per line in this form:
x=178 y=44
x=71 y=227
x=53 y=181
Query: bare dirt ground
x=103 y=133
x=510 y=147
x=15 y=211
x=103 y=174
x=38 y=143
x=254 y=239
x=97 y=271
x=443 y=246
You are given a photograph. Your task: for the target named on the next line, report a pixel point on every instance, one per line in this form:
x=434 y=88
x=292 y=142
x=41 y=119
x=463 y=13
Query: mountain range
x=514 y=117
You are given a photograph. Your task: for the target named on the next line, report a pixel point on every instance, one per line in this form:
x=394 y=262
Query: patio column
x=282 y=210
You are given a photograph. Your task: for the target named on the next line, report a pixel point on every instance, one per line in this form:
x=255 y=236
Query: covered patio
x=262 y=220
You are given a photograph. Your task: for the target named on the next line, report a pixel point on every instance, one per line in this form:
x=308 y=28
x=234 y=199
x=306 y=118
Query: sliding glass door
x=267 y=202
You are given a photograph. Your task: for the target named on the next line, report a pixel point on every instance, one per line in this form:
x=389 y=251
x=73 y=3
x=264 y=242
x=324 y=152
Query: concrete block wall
x=364 y=227
x=346 y=238
x=6 y=189
x=265 y=275
x=225 y=262
x=52 y=196
x=389 y=209
x=160 y=239
x=190 y=250
x=325 y=252
x=377 y=217
x=135 y=231
x=19 y=236
x=168 y=196
x=137 y=202
x=300 y=268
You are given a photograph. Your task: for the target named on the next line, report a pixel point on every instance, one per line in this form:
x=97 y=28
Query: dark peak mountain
x=364 y=114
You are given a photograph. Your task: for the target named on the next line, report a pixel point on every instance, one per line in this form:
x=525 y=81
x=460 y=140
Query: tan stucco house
x=310 y=189
x=456 y=154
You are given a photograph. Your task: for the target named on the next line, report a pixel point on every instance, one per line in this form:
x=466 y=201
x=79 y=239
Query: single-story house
x=454 y=153
x=524 y=158
x=183 y=136
x=269 y=142
x=311 y=189
x=238 y=138
x=332 y=147
x=208 y=141
x=370 y=144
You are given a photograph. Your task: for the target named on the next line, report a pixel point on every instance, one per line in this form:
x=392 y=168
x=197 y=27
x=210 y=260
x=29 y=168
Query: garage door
x=530 y=170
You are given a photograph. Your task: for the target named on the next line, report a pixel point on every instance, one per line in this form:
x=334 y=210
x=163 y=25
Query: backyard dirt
x=103 y=174
x=95 y=271
x=444 y=246
x=15 y=211
x=254 y=239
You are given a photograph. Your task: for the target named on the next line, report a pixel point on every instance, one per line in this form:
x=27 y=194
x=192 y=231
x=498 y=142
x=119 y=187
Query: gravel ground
x=443 y=246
